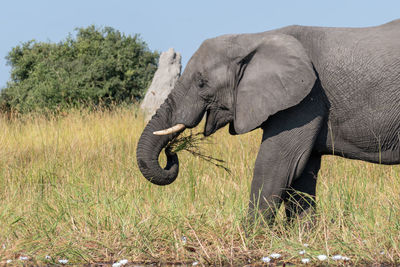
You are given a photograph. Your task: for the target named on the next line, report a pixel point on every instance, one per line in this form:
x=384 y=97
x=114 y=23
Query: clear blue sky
x=182 y=25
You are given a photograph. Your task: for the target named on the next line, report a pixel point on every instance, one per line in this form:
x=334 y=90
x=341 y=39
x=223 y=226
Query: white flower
x=382 y=252
x=8 y=261
x=322 y=257
x=265 y=259
x=47 y=257
x=345 y=258
x=337 y=257
x=306 y=245
x=123 y=262
x=23 y=258
x=120 y=263
x=302 y=252
x=184 y=240
x=63 y=261
x=305 y=261
x=195 y=263
x=275 y=255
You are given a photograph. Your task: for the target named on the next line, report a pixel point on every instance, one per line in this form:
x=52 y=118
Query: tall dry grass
x=70 y=188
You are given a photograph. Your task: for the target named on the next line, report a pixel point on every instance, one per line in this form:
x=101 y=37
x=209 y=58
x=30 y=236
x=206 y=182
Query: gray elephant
x=312 y=90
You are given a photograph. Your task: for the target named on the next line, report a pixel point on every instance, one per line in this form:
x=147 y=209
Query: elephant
x=312 y=90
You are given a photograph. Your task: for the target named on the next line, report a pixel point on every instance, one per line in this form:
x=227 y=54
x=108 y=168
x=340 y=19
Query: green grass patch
x=70 y=189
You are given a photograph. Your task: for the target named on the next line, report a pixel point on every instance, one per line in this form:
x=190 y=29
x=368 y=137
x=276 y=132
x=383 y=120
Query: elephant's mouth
x=209 y=127
x=215 y=119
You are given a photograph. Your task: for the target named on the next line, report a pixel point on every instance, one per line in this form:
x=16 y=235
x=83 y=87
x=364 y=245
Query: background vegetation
x=98 y=65
x=70 y=189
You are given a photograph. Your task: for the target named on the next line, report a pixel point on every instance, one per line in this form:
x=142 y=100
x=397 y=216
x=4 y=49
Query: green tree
x=98 y=65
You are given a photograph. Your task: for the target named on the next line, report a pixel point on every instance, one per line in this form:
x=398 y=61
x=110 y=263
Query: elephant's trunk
x=150 y=146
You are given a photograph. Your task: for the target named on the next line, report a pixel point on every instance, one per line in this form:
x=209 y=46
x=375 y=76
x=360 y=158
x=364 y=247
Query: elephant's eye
x=202 y=82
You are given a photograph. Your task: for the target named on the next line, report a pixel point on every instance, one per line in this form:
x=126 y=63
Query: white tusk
x=171 y=130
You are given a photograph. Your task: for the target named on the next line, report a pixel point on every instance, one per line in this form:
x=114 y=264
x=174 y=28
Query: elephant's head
x=236 y=79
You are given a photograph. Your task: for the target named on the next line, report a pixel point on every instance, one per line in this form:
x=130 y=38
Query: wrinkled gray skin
x=312 y=90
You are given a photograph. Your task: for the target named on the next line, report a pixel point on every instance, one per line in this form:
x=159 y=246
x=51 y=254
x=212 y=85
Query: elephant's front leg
x=271 y=174
x=300 y=196
x=285 y=154
x=281 y=169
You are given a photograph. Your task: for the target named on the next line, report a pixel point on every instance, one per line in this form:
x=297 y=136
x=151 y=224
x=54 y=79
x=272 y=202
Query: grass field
x=70 y=189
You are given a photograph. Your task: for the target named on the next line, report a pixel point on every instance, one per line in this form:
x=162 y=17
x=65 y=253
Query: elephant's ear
x=274 y=75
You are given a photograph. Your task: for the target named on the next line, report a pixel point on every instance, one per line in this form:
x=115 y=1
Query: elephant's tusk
x=171 y=130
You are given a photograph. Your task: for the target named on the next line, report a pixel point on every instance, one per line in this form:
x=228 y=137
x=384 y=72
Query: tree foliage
x=95 y=66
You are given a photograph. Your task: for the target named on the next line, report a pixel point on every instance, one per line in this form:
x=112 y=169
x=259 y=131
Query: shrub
x=98 y=65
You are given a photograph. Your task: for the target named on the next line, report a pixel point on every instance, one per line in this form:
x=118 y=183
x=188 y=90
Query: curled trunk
x=150 y=146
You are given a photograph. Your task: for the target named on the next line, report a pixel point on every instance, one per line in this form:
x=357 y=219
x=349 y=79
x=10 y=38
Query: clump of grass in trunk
x=191 y=143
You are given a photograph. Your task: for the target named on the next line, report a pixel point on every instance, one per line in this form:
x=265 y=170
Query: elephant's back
x=352 y=59
x=343 y=44
x=359 y=58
